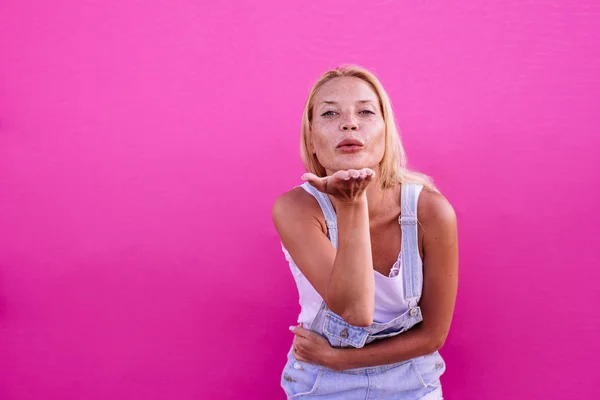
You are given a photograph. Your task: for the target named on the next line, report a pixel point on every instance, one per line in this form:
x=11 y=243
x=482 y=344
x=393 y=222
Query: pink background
x=143 y=143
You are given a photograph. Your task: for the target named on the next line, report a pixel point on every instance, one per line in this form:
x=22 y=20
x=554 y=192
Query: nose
x=349 y=125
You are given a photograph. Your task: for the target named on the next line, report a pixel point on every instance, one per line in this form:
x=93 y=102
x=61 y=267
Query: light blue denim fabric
x=418 y=378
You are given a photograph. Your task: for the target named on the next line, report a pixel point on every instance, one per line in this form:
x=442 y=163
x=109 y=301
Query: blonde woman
x=373 y=249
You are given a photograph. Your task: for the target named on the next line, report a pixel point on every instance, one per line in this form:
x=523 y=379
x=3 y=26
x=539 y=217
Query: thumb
x=314 y=180
x=300 y=331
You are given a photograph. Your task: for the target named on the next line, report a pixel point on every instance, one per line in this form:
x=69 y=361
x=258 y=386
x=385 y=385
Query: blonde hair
x=393 y=167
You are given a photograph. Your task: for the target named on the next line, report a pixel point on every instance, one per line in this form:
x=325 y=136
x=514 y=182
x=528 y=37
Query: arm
x=351 y=286
x=343 y=278
x=440 y=269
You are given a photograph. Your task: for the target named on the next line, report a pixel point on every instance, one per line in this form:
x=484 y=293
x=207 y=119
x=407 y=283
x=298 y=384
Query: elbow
x=363 y=319
x=355 y=314
x=435 y=343
x=356 y=317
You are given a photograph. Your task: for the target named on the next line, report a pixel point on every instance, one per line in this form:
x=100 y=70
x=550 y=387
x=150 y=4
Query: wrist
x=335 y=359
x=355 y=203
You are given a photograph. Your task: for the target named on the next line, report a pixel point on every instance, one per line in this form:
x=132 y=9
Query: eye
x=367 y=112
x=328 y=113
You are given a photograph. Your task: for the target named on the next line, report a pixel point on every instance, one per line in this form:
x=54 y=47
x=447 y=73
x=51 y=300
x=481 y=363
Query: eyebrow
x=359 y=101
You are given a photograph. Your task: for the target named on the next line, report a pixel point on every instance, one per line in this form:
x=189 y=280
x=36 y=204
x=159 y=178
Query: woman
x=373 y=250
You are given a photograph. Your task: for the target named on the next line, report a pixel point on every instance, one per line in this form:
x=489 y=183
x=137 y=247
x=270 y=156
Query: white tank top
x=390 y=297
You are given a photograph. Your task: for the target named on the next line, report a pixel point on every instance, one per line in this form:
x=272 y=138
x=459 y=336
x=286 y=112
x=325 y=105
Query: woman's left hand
x=313 y=348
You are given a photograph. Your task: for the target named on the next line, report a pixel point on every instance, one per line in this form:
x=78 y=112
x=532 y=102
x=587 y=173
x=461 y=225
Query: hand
x=313 y=348
x=347 y=186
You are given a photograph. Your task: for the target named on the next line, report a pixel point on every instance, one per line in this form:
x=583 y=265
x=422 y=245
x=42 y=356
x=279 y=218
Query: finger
x=370 y=174
x=299 y=331
x=341 y=175
x=298 y=356
x=298 y=345
x=317 y=182
x=309 y=176
x=353 y=173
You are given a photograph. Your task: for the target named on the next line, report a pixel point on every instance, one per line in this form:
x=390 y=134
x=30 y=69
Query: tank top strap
x=412 y=265
x=327 y=209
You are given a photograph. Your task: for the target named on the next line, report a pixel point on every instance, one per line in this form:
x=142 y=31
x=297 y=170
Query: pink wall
x=143 y=143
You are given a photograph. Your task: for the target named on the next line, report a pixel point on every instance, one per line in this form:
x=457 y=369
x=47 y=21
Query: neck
x=380 y=200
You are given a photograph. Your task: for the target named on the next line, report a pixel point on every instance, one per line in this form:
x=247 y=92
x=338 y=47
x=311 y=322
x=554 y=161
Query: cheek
x=381 y=140
x=322 y=143
x=378 y=145
x=322 y=140
x=378 y=137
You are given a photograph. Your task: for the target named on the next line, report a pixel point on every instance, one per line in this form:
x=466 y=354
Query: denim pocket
x=399 y=380
x=429 y=368
x=341 y=334
x=300 y=378
x=385 y=334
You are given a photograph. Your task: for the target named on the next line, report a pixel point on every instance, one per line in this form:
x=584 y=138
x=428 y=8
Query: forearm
x=350 y=290
x=414 y=343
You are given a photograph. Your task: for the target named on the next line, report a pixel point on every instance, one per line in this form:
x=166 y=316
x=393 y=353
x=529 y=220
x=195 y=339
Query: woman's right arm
x=343 y=278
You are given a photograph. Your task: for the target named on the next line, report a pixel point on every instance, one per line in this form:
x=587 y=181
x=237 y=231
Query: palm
x=344 y=185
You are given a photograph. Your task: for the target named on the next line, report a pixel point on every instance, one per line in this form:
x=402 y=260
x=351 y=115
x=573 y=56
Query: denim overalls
x=417 y=378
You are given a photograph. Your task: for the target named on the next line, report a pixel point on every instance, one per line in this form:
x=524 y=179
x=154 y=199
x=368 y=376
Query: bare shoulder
x=296 y=205
x=435 y=211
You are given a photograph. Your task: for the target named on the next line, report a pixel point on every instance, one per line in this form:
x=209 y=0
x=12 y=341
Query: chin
x=353 y=165
x=350 y=161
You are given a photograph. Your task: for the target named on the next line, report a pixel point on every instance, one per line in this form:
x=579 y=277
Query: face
x=348 y=130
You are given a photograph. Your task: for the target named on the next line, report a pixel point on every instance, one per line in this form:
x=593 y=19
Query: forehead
x=345 y=89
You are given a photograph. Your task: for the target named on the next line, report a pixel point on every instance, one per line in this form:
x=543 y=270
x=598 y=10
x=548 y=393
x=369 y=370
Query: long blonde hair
x=393 y=167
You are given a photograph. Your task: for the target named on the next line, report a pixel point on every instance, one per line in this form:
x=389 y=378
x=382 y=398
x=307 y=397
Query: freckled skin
x=348 y=110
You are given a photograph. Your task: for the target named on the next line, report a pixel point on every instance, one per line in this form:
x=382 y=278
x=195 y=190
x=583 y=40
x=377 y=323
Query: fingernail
x=292 y=328
x=303 y=177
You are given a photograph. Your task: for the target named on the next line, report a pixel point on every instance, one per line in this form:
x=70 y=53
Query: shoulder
x=295 y=205
x=294 y=201
x=435 y=211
